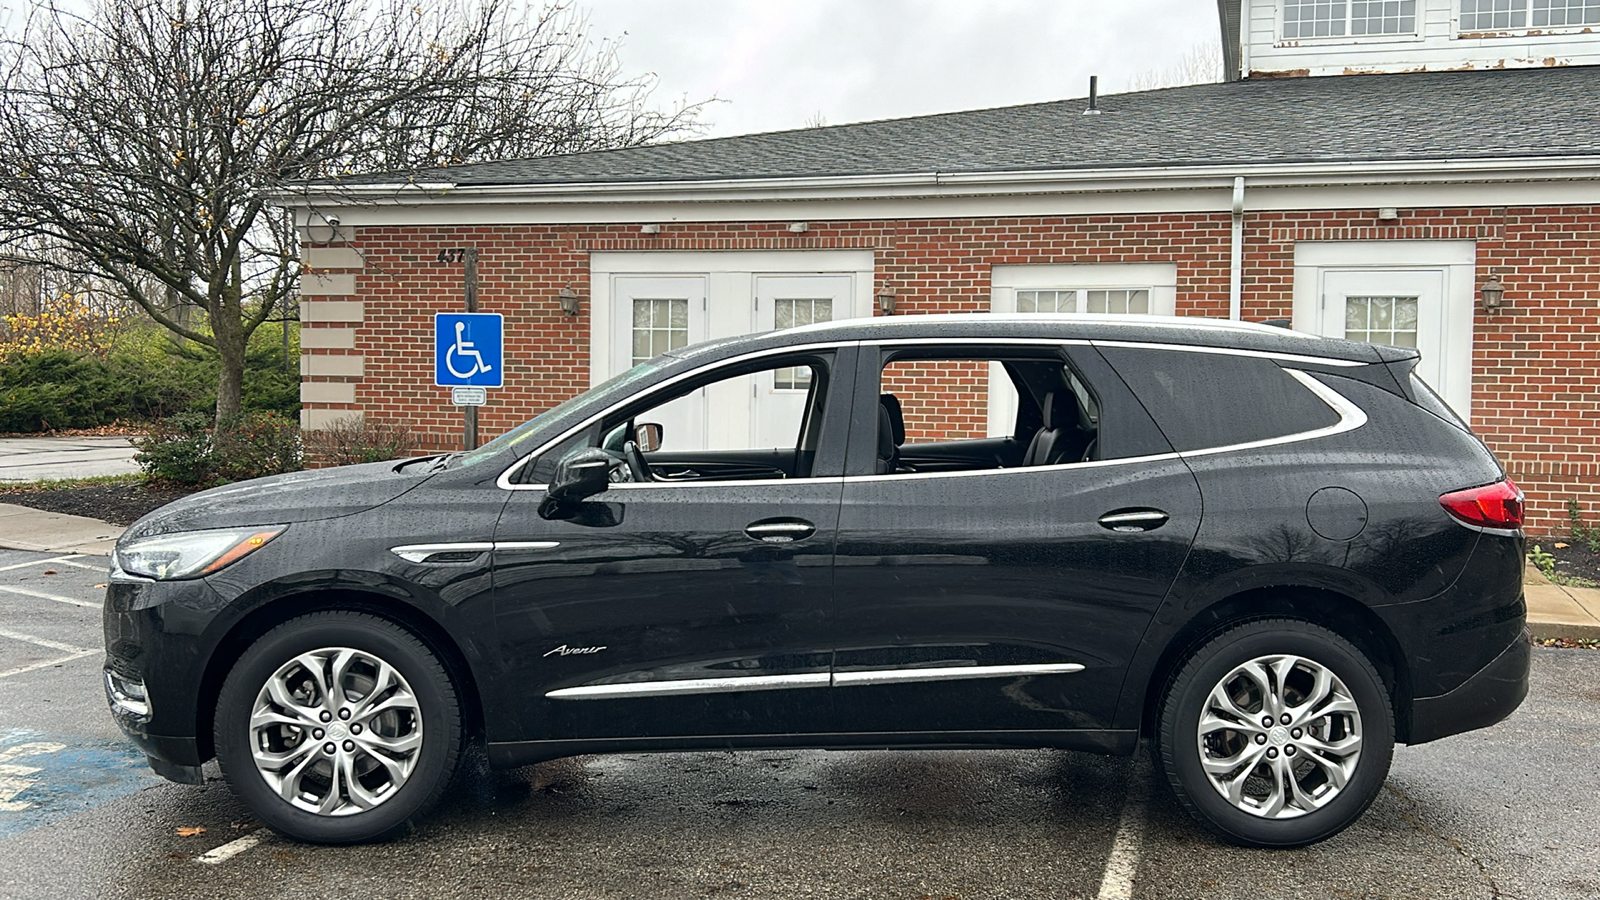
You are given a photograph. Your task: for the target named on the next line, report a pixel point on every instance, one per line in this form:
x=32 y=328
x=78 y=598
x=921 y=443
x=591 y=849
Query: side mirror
x=582 y=473
x=648 y=437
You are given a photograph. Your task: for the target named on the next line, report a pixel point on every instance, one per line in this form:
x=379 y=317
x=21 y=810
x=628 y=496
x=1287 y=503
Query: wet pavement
x=1512 y=811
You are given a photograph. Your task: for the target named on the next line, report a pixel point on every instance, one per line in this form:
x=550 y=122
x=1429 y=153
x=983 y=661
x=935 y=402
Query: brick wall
x=1536 y=362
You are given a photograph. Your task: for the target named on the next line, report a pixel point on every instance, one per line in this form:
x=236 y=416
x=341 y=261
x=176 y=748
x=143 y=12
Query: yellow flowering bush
x=64 y=324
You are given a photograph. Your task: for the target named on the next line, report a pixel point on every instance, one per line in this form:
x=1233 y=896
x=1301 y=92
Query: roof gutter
x=948 y=184
x=1236 y=275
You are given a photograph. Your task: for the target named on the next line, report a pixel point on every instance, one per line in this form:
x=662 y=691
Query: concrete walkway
x=1553 y=611
x=41 y=458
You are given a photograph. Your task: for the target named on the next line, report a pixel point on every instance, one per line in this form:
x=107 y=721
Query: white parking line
x=19 y=670
x=41 y=562
x=43 y=596
x=43 y=642
x=104 y=568
x=229 y=850
x=1123 y=863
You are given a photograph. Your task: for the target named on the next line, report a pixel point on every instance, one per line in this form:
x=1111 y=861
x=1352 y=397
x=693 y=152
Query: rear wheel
x=1276 y=733
x=338 y=727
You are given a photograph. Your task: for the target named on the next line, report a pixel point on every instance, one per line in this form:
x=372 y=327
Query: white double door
x=652 y=314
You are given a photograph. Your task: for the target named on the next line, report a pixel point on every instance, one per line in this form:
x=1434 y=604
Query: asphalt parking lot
x=1513 y=811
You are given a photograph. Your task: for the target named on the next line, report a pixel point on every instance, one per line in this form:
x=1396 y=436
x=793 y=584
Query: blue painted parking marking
x=44 y=777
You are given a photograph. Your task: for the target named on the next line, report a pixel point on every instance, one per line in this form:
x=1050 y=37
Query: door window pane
x=1118 y=301
x=791 y=312
x=1381 y=320
x=659 y=325
x=1047 y=301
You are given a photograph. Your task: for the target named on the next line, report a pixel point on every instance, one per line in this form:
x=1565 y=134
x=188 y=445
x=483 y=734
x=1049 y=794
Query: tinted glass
x=1203 y=400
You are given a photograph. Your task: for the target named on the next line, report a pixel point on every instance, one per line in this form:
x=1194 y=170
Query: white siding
x=1436 y=46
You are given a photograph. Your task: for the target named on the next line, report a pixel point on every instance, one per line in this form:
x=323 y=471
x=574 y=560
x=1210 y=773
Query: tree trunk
x=230 y=380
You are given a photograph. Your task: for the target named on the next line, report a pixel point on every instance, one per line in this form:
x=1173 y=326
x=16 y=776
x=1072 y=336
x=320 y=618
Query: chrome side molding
x=809 y=680
x=464 y=552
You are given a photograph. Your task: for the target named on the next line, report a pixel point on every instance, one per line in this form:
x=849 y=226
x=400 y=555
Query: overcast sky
x=780 y=63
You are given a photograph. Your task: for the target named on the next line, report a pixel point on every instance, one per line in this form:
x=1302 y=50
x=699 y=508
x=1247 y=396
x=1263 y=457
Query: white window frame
x=1524 y=30
x=1415 y=34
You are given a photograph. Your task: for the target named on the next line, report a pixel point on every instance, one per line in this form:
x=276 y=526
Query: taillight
x=1497 y=505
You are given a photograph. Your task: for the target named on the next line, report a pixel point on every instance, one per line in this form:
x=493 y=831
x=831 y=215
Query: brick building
x=1372 y=206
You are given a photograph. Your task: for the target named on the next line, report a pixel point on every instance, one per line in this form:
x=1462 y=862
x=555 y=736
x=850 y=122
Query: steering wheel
x=637 y=467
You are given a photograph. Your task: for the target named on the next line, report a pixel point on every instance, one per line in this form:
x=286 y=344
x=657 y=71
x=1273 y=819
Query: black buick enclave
x=1272 y=555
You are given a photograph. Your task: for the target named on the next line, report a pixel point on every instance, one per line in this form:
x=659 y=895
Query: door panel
x=1401 y=307
x=655 y=314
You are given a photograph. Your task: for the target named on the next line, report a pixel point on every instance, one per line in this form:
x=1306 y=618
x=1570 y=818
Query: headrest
x=886 y=442
x=897 y=421
x=1060 y=410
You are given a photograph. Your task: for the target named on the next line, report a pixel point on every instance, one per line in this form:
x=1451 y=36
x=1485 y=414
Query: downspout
x=1236 y=277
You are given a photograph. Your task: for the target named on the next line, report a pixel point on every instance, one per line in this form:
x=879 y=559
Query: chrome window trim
x=807 y=680
x=504 y=481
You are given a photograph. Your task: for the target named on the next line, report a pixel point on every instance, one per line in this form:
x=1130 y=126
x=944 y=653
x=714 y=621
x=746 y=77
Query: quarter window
x=1502 y=15
x=1341 y=18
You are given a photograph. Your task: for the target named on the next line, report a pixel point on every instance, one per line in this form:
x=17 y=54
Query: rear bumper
x=1489 y=696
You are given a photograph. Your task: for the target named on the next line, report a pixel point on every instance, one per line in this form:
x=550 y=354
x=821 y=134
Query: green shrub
x=354 y=440
x=177 y=450
x=185 y=449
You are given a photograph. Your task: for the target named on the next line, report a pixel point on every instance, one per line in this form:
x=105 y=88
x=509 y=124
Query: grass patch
x=67 y=484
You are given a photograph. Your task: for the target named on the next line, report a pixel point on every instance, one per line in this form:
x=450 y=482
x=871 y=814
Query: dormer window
x=1353 y=18
x=1512 y=15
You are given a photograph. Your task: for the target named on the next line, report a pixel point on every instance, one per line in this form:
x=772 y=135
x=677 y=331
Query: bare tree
x=138 y=142
x=1201 y=65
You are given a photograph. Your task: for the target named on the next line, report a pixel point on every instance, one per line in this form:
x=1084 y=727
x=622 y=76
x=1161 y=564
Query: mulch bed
x=117 y=503
x=1573 y=560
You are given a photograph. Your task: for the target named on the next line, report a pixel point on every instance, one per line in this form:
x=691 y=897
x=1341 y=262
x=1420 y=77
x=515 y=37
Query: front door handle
x=1134 y=519
x=780 y=531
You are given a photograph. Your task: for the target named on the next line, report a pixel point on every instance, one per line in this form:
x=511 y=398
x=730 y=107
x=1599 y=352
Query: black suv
x=1272 y=555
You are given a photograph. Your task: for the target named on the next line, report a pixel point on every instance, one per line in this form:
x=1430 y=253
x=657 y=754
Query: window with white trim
x=1091 y=300
x=793 y=312
x=1352 y=18
x=1504 y=15
x=659 y=325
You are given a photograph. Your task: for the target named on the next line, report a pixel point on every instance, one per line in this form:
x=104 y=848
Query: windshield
x=516 y=437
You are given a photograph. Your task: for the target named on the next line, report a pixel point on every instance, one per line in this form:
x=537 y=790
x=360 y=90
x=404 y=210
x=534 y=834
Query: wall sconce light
x=799 y=227
x=652 y=228
x=886 y=303
x=568 y=298
x=1493 y=293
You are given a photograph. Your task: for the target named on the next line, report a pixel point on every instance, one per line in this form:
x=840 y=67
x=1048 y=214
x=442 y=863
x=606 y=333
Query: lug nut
x=325 y=716
x=356 y=729
x=349 y=745
x=1266 y=721
x=345 y=714
x=316 y=733
x=1289 y=750
x=1260 y=738
x=1296 y=734
x=1272 y=753
x=1286 y=719
x=329 y=748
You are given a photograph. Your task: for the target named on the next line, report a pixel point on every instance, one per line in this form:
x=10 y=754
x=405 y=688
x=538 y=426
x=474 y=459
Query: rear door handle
x=1134 y=519
x=780 y=531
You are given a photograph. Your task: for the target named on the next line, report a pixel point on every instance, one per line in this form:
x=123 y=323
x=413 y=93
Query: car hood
x=283 y=499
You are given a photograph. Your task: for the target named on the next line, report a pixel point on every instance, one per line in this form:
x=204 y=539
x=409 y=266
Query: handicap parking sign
x=467 y=350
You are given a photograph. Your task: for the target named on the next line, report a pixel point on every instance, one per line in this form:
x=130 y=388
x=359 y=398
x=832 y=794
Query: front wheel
x=338 y=727
x=1276 y=733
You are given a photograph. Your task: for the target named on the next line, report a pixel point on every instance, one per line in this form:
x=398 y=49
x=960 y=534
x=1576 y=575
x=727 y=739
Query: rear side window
x=1204 y=400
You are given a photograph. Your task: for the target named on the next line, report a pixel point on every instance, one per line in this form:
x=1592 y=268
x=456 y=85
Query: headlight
x=191 y=553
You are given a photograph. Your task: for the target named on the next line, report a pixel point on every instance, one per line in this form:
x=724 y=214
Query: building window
x=1381 y=320
x=1136 y=301
x=1503 y=15
x=792 y=313
x=659 y=325
x=1358 y=18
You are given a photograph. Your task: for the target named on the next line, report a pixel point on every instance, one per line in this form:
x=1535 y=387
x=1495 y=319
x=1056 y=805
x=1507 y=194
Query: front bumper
x=1489 y=696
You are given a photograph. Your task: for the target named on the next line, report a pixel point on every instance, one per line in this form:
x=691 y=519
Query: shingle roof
x=1415 y=116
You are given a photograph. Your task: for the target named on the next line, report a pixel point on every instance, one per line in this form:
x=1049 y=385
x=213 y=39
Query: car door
x=690 y=605
x=1003 y=598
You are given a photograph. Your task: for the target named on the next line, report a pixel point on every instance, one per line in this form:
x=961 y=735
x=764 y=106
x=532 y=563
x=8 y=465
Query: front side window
x=1348 y=18
x=1511 y=15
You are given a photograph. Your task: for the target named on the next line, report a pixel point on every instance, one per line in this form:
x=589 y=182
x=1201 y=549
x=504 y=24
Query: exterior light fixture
x=1388 y=214
x=568 y=298
x=886 y=303
x=652 y=228
x=1493 y=293
x=799 y=227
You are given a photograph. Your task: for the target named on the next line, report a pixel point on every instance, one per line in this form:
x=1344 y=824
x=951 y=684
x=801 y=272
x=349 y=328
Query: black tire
x=421 y=706
x=1252 y=820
